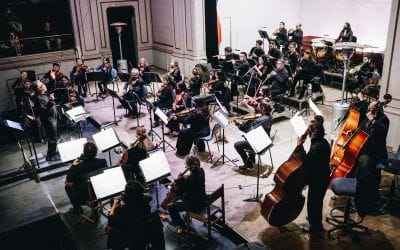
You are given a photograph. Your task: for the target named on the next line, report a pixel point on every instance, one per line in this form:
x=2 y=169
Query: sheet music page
x=258 y=139
x=314 y=107
x=106 y=139
x=221 y=106
x=71 y=150
x=110 y=182
x=221 y=118
x=155 y=167
x=298 y=124
x=76 y=111
x=161 y=115
x=14 y=125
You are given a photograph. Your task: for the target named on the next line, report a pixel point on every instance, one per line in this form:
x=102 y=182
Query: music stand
x=95 y=76
x=158 y=112
x=71 y=150
x=222 y=119
x=264 y=35
x=259 y=142
x=153 y=77
x=106 y=140
x=155 y=168
x=152 y=132
x=76 y=115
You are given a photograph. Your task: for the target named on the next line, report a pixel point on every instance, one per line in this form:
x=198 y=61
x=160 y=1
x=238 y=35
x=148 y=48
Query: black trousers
x=50 y=128
x=102 y=86
x=186 y=138
x=77 y=194
x=178 y=206
x=299 y=76
x=243 y=148
x=369 y=176
x=129 y=102
x=316 y=191
x=82 y=87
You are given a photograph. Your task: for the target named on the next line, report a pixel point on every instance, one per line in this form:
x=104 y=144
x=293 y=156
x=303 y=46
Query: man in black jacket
x=317 y=172
x=304 y=72
x=76 y=180
x=190 y=191
x=279 y=78
x=165 y=97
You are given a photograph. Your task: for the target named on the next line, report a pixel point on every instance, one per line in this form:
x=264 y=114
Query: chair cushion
x=344 y=186
x=391 y=166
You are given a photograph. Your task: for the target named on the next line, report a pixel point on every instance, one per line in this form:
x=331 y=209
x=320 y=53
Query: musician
x=165 y=97
x=257 y=51
x=131 y=223
x=243 y=147
x=365 y=72
x=136 y=152
x=190 y=192
x=242 y=67
x=53 y=78
x=293 y=56
x=279 y=79
x=144 y=69
x=221 y=92
x=134 y=92
x=46 y=110
x=175 y=72
x=76 y=180
x=199 y=122
x=304 y=71
x=296 y=36
x=317 y=172
x=107 y=69
x=73 y=95
x=195 y=82
x=346 y=34
x=50 y=42
x=281 y=35
x=182 y=101
x=78 y=75
x=227 y=63
x=28 y=114
x=273 y=52
x=373 y=152
x=18 y=87
x=261 y=71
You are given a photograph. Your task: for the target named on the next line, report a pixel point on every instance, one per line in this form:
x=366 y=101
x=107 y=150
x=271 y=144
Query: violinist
x=175 y=72
x=78 y=76
x=221 y=92
x=144 y=69
x=107 y=69
x=252 y=103
x=18 y=87
x=304 y=71
x=195 y=82
x=134 y=91
x=257 y=51
x=317 y=172
x=73 y=95
x=76 y=180
x=182 y=101
x=53 y=78
x=190 y=191
x=243 y=147
x=165 y=97
x=136 y=152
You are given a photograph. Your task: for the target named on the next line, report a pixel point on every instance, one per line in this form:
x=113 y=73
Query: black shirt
x=198 y=121
x=293 y=59
x=192 y=189
x=297 y=36
x=346 y=36
x=375 y=146
x=256 y=52
x=77 y=174
x=280 y=79
x=195 y=86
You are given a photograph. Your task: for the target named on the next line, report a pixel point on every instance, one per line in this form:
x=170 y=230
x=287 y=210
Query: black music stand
x=152 y=132
x=96 y=77
x=158 y=112
x=264 y=35
x=153 y=78
x=113 y=102
x=259 y=142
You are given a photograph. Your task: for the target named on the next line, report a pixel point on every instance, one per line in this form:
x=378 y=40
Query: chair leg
x=209 y=151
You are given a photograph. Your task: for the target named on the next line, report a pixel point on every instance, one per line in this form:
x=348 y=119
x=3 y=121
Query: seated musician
x=296 y=36
x=175 y=72
x=261 y=71
x=136 y=152
x=131 y=223
x=365 y=72
x=195 y=83
x=373 y=152
x=304 y=71
x=279 y=79
x=106 y=68
x=252 y=103
x=144 y=69
x=227 y=63
x=273 y=52
x=71 y=94
x=281 y=35
x=257 y=51
x=76 y=180
x=182 y=101
x=243 y=147
x=18 y=87
x=293 y=56
x=221 y=92
x=190 y=191
x=79 y=77
x=317 y=172
x=199 y=122
x=242 y=67
x=52 y=78
x=135 y=92
x=165 y=97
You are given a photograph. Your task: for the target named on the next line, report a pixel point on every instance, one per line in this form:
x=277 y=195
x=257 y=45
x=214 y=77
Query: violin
x=163 y=86
x=171 y=196
x=210 y=83
x=185 y=112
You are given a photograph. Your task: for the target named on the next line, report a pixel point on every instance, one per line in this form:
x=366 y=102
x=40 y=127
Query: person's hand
x=371 y=116
x=173 y=106
x=272 y=73
x=174 y=117
x=301 y=140
x=68 y=184
x=76 y=162
x=51 y=97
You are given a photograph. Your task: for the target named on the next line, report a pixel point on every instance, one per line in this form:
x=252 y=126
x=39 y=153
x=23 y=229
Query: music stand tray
x=263 y=34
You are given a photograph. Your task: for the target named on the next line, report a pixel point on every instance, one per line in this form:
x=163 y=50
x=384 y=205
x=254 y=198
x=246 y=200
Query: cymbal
x=349 y=45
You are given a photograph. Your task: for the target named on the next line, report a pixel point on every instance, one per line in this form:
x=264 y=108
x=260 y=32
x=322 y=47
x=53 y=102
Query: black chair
x=213 y=134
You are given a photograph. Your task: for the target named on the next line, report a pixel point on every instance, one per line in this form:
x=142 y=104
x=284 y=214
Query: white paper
x=106 y=139
x=155 y=167
x=14 y=125
x=298 y=125
x=314 y=107
x=258 y=139
x=161 y=115
x=221 y=106
x=71 y=150
x=77 y=113
x=221 y=118
x=111 y=181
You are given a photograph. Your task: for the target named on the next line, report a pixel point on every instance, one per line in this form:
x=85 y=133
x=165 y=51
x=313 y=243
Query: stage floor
x=242 y=216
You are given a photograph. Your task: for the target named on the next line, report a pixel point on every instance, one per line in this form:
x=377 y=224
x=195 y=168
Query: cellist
x=317 y=172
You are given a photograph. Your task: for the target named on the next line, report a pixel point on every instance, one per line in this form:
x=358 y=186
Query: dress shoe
x=51 y=158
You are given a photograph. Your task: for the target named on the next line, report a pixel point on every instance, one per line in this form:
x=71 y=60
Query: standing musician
x=53 y=78
x=279 y=78
x=199 y=122
x=257 y=51
x=182 y=101
x=190 y=191
x=165 y=97
x=144 y=69
x=136 y=152
x=317 y=172
x=46 y=110
x=106 y=68
x=261 y=70
x=175 y=72
x=243 y=147
x=78 y=76
x=296 y=36
x=281 y=35
x=293 y=56
x=304 y=71
x=18 y=87
x=346 y=34
x=195 y=82
x=273 y=52
x=134 y=92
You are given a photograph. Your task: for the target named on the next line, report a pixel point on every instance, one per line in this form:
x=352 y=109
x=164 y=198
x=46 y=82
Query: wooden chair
x=211 y=214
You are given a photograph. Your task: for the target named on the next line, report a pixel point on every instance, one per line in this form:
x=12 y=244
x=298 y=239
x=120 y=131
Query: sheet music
x=110 y=182
x=161 y=115
x=106 y=139
x=77 y=113
x=258 y=139
x=221 y=106
x=298 y=125
x=221 y=118
x=314 y=107
x=155 y=167
x=71 y=150
x=14 y=125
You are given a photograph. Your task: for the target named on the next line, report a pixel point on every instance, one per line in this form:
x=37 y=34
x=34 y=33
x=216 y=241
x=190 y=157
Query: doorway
x=211 y=31
x=128 y=36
